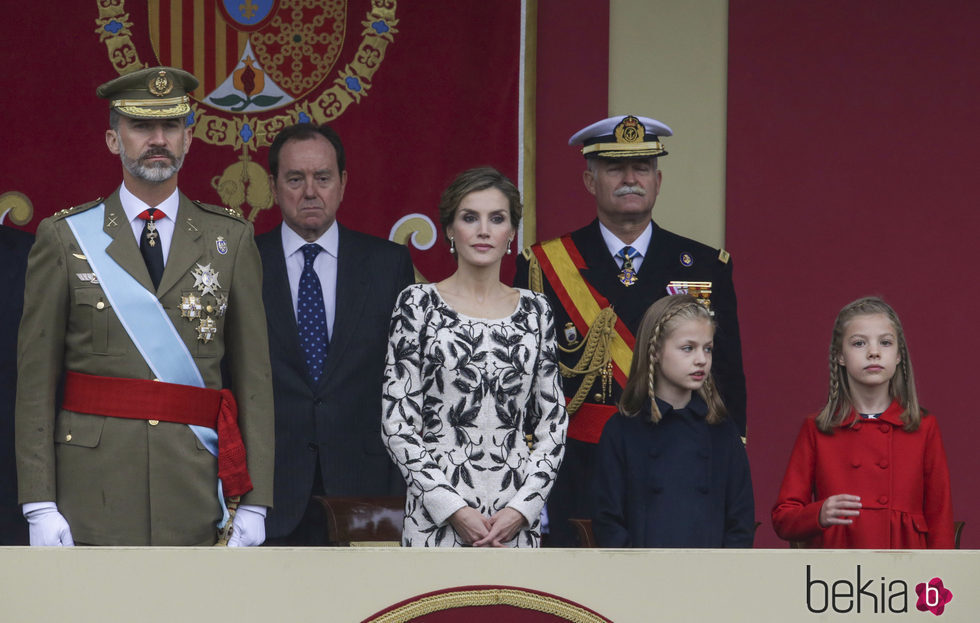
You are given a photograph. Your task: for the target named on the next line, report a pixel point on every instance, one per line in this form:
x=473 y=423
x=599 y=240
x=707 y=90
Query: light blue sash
x=143 y=317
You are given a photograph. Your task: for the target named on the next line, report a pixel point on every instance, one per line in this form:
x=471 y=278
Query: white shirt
x=615 y=245
x=325 y=266
x=134 y=206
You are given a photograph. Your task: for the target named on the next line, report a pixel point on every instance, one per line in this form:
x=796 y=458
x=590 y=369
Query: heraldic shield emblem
x=262 y=65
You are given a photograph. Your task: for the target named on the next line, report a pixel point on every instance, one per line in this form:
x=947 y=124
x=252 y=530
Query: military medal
x=571 y=334
x=207 y=329
x=701 y=290
x=205 y=279
x=190 y=306
x=627 y=276
x=221 y=300
x=221 y=245
x=151 y=232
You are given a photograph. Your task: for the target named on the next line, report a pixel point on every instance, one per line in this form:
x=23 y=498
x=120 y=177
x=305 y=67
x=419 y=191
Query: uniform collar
x=133 y=206
x=614 y=244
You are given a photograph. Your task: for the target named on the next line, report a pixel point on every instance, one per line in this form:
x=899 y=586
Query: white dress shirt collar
x=293 y=242
x=133 y=206
x=614 y=244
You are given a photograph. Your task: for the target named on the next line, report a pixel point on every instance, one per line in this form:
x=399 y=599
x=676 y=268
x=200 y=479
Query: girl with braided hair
x=671 y=470
x=868 y=471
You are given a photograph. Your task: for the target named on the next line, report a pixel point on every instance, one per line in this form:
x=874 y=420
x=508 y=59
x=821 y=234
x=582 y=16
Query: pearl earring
x=509 y=250
x=452 y=245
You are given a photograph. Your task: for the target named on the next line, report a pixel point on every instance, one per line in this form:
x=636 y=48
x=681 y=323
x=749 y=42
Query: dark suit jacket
x=14 y=245
x=339 y=418
x=661 y=265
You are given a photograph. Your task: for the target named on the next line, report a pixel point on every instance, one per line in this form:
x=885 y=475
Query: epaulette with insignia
x=723 y=256
x=76 y=209
x=219 y=209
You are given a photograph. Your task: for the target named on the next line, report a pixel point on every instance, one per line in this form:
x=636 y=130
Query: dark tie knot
x=310 y=251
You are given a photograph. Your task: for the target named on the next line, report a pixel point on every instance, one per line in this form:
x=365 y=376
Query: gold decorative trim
x=169 y=101
x=515 y=597
x=17 y=206
x=180 y=110
x=529 y=232
x=215 y=130
x=655 y=147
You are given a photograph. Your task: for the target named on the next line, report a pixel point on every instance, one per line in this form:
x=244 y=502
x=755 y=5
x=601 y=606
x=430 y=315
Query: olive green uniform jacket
x=136 y=482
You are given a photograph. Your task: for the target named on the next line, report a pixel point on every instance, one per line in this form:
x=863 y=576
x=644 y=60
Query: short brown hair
x=474 y=180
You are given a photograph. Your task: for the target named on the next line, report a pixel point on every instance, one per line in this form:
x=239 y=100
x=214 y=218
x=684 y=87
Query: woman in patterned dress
x=472 y=364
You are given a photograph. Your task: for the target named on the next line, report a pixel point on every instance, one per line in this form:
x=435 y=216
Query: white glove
x=47 y=525
x=248 y=527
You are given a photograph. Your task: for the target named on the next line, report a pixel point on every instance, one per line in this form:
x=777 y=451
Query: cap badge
x=629 y=130
x=687 y=260
x=161 y=84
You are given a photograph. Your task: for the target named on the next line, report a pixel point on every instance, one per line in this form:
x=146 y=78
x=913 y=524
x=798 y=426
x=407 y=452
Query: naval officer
x=600 y=280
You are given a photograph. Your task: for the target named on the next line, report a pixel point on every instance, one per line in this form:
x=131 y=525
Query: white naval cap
x=622 y=137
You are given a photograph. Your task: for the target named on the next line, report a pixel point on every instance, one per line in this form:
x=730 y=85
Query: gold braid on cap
x=625 y=149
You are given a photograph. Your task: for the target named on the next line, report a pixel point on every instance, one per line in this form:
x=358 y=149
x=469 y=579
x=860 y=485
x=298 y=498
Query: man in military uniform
x=143 y=323
x=602 y=278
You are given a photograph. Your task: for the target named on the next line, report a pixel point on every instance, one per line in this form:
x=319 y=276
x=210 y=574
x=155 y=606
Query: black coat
x=14 y=246
x=679 y=483
x=339 y=417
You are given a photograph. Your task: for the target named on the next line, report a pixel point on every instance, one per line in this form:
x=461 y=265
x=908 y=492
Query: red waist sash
x=139 y=399
x=586 y=425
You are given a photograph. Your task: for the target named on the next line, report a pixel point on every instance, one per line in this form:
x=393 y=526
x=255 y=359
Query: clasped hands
x=476 y=530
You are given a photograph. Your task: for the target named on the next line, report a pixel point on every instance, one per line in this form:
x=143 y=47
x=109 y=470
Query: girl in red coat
x=868 y=471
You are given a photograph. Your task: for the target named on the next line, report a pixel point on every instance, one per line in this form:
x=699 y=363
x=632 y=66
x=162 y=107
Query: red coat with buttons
x=901 y=477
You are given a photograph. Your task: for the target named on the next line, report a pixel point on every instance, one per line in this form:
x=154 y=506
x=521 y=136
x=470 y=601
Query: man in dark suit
x=14 y=245
x=329 y=293
x=604 y=276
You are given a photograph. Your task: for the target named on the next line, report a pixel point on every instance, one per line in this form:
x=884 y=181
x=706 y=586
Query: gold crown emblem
x=630 y=130
x=161 y=84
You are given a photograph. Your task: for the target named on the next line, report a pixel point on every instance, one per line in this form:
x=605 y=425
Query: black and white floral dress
x=457 y=393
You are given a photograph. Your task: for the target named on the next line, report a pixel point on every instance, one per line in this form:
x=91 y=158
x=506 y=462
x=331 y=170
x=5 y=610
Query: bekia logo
x=872 y=594
x=933 y=596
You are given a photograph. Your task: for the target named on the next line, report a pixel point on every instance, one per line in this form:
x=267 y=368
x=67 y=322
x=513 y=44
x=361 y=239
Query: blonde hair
x=901 y=387
x=657 y=324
